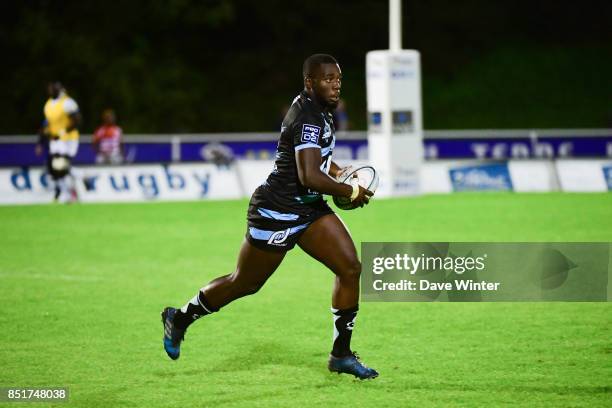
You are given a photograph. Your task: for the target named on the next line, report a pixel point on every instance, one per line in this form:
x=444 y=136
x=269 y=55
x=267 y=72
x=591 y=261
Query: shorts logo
x=279 y=237
x=310 y=133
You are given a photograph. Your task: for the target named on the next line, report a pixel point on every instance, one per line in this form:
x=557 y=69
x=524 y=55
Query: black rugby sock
x=344 y=321
x=192 y=311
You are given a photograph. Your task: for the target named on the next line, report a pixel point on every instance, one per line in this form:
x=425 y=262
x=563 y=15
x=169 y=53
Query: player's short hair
x=312 y=62
x=57 y=84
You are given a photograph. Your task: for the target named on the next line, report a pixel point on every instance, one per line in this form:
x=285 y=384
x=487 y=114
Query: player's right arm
x=308 y=162
x=97 y=136
x=43 y=136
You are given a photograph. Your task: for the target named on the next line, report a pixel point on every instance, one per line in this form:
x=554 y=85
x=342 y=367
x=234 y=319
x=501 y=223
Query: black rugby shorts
x=273 y=228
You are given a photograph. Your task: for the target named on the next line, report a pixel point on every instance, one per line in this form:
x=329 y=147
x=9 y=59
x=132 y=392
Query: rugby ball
x=367 y=178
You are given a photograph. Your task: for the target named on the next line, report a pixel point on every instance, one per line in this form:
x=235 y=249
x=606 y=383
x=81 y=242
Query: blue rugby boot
x=351 y=365
x=172 y=335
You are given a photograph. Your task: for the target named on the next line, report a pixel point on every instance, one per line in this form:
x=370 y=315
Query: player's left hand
x=341 y=174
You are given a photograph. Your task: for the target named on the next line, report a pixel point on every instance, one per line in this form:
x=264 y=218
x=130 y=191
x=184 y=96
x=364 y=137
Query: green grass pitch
x=82 y=286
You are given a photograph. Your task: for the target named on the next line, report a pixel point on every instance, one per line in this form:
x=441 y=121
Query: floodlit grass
x=82 y=286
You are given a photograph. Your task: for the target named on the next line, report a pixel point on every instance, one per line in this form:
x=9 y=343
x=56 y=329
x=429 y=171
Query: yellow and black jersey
x=57 y=114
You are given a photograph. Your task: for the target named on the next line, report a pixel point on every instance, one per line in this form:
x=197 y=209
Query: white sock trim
x=201 y=304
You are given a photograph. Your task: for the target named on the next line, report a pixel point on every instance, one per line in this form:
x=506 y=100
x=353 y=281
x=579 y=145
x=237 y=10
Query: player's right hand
x=363 y=198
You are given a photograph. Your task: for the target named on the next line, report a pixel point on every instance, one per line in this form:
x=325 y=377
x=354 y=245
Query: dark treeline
x=229 y=65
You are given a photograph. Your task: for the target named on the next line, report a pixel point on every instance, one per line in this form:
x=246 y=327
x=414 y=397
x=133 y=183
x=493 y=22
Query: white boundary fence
x=195 y=181
x=206 y=181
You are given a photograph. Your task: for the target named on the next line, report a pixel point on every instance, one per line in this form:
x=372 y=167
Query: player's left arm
x=337 y=172
x=334 y=169
x=121 y=145
x=72 y=109
x=75 y=121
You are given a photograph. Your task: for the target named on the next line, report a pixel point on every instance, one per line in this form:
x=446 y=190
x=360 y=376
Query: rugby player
x=107 y=140
x=288 y=209
x=62 y=121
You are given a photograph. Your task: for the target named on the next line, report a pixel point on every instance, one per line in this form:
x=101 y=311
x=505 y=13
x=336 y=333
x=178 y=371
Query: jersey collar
x=315 y=103
x=59 y=96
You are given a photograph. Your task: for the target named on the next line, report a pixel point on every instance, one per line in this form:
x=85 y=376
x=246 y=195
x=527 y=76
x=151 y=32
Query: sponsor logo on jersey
x=310 y=133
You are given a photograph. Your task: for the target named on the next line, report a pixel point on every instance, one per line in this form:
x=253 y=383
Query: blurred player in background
x=61 y=131
x=107 y=140
x=288 y=209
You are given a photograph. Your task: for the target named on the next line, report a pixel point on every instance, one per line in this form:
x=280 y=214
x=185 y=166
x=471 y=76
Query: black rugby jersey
x=306 y=125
